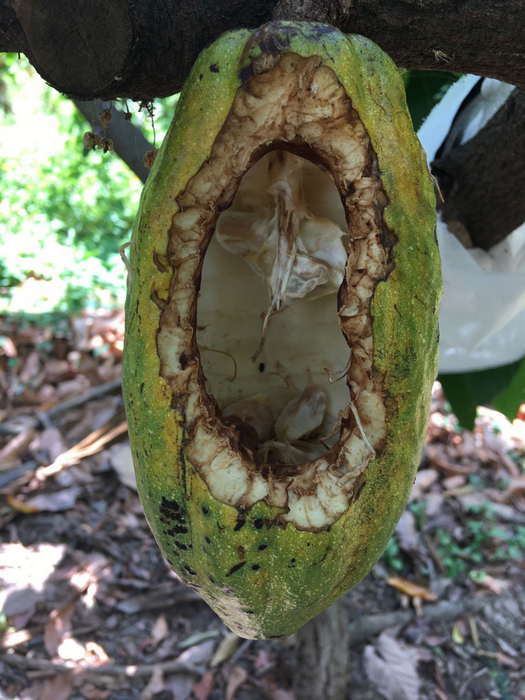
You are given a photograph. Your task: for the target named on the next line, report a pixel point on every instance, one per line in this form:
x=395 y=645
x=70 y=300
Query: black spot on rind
x=241 y=521
x=177 y=530
x=181 y=545
x=258 y=524
x=248 y=612
x=179 y=517
x=220 y=527
x=169 y=504
x=246 y=73
x=207 y=539
x=261 y=547
x=324 y=555
x=212 y=580
x=292 y=561
x=190 y=571
x=205 y=511
x=214 y=68
x=236 y=568
x=256 y=567
x=261 y=367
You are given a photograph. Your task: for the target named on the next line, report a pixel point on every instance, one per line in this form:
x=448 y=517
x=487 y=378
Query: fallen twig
x=45 y=418
x=369 y=626
x=76 y=401
x=87 y=447
x=131 y=670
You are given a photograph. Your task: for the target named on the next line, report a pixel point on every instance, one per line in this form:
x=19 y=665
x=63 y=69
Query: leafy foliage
x=424 y=90
x=484 y=542
x=502 y=387
x=64 y=211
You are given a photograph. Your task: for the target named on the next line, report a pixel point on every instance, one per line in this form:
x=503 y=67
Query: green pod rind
x=265 y=580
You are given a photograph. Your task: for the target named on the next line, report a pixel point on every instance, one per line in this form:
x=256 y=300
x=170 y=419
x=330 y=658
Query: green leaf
x=511 y=398
x=501 y=387
x=424 y=90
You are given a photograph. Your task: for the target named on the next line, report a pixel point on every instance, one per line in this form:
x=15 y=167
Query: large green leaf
x=501 y=387
x=424 y=90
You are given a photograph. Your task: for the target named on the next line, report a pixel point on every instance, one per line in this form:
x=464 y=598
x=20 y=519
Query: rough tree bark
x=483 y=181
x=323 y=656
x=144 y=48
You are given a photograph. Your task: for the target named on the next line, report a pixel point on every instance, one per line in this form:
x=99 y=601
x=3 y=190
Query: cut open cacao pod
x=282 y=312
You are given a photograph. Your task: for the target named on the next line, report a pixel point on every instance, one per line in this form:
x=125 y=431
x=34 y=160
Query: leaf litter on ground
x=73 y=534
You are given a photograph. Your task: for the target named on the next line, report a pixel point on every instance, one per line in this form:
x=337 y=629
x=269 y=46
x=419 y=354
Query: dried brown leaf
x=93 y=692
x=198 y=655
x=438 y=455
x=236 y=678
x=155 y=684
x=411 y=589
x=52 y=442
x=425 y=478
x=19 y=505
x=264 y=658
x=202 y=689
x=57 y=627
x=159 y=631
x=16 y=447
x=54 y=502
x=227 y=647
x=73 y=387
x=58 y=688
x=12 y=639
x=406 y=532
x=95 y=655
x=457 y=634
x=31 y=368
x=494 y=585
x=180 y=686
x=122 y=462
x=391 y=668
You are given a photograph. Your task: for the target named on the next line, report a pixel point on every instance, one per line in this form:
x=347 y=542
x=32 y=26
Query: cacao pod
x=270 y=487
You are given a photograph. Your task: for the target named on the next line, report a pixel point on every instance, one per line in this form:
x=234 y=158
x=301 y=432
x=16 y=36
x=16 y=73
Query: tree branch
x=483 y=180
x=97 y=49
x=128 y=141
x=11 y=33
x=323 y=656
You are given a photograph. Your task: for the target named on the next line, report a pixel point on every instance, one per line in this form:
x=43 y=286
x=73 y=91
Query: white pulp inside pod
x=271 y=346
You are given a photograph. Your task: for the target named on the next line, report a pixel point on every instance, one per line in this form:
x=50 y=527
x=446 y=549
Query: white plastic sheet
x=482 y=317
